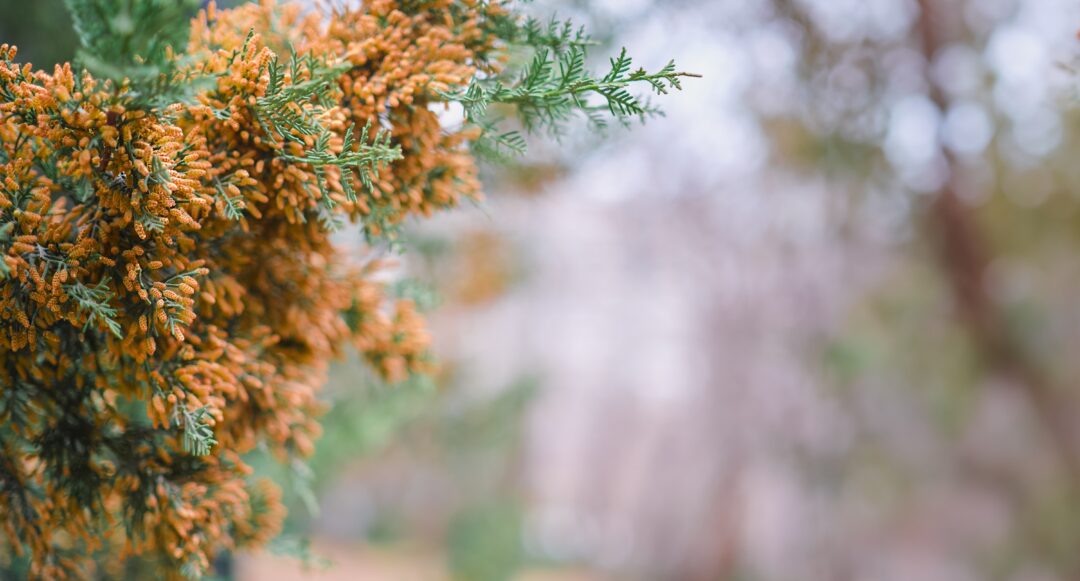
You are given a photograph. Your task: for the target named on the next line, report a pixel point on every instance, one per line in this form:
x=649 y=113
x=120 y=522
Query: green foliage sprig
x=290 y=111
x=198 y=435
x=94 y=301
x=556 y=86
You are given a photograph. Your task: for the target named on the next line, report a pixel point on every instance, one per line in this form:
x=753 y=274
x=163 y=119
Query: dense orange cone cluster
x=165 y=274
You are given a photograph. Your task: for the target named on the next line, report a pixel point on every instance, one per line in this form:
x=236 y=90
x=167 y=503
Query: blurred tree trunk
x=965 y=256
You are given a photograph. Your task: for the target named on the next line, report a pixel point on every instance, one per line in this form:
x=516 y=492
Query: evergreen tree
x=170 y=297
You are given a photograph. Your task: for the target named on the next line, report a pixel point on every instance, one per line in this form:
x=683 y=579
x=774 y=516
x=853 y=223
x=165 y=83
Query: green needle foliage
x=95 y=302
x=134 y=41
x=556 y=86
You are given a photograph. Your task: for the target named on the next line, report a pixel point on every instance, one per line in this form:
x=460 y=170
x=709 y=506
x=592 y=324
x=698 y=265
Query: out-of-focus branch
x=965 y=257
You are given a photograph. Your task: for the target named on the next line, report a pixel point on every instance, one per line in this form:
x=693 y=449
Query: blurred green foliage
x=40 y=28
x=485 y=542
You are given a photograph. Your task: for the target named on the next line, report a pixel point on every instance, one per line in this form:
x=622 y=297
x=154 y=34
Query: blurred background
x=818 y=323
